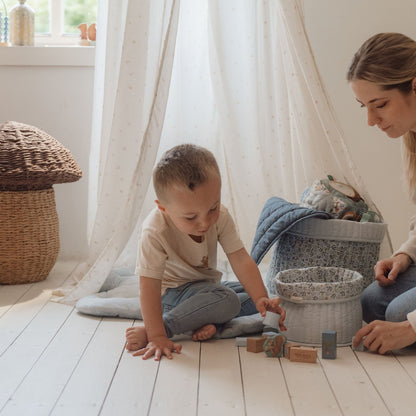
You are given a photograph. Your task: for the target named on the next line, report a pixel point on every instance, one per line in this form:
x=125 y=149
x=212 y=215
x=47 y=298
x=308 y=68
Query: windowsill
x=47 y=55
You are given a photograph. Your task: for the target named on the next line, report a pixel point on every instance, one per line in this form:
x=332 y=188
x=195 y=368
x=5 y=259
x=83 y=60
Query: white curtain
x=244 y=84
x=134 y=56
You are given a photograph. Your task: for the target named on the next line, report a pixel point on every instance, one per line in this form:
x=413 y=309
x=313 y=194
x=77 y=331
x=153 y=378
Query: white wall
x=54 y=91
x=336 y=29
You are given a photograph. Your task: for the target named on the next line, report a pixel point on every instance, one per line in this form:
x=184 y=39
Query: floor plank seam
x=372 y=382
x=199 y=378
x=405 y=369
x=330 y=387
x=287 y=386
x=24 y=328
x=153 y=389
x=112 y=378
x=242 y=381
x=37 y=359
x=17 y=300
x=75 y=367
x=34 y=316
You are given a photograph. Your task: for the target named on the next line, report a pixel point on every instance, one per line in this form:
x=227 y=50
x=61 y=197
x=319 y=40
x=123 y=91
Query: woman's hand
x=264 y=304
x=158 y=347
x=383 y=336
x=387 y=270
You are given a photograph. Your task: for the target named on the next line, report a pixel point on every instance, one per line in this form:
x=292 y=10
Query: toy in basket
x=318 y=299
x=304 y=237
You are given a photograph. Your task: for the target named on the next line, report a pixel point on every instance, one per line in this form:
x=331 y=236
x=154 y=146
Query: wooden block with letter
x=287 y=347
x=303 y=354
x=255 y=344
x=329 y=344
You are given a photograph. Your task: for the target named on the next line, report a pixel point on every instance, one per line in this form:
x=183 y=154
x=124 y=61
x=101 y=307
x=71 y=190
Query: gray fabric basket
x=328 y=243
x=318 y=299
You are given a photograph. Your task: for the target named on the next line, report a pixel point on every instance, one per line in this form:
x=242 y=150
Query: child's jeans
x=193 y=305
x=391 y=303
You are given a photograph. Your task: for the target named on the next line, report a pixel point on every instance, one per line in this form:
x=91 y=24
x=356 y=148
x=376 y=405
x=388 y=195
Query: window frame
x=56 y=36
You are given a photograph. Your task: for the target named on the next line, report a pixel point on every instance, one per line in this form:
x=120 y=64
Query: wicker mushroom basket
x=31 y=161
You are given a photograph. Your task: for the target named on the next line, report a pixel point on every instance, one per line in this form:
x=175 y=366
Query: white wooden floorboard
x=407 y=358
x=392 y=382
x=15 y=320
x=41 y=388
x=220 y=385
x=20 y=357
x=55 y=361
x=265 y=389
x=309 y=389
x=132 y=387
x=10 y=294
x=86 y=390
x=354 y=391
x=176 y=389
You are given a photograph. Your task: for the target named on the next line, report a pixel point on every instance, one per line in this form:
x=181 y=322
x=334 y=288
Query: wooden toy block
x=272 y=320
x=255 y=344
x=360 y=346
x=241 y=342
x=286 y=348
x=329 y=345
x=303 y=354
x=273 y=345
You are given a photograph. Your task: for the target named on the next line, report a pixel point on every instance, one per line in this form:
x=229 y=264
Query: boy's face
x=194 y=212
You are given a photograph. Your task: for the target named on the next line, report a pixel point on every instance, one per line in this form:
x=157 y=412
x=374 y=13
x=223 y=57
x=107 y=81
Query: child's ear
x=159 y=205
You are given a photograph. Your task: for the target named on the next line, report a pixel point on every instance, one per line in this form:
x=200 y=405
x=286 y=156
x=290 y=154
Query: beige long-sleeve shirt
x=409 y=248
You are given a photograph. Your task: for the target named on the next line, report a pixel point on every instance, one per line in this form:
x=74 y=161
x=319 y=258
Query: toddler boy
x=180 y=286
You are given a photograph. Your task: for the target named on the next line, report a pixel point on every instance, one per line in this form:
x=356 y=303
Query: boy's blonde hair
x=389 y=60
x=185 y=165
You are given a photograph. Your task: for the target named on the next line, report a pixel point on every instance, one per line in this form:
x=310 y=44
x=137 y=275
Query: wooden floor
x=54 y=361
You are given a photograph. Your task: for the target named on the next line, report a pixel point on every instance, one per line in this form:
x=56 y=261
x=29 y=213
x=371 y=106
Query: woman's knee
x=396 y=312
x=373 y=303
x=400 y=306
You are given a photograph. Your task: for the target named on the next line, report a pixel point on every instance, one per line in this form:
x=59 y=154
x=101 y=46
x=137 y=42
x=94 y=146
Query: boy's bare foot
x=204 y=333
x=136 y=338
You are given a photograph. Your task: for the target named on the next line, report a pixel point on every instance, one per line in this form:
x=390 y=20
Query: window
x=56 y=21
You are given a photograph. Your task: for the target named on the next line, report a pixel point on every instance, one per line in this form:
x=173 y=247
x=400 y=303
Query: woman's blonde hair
x=389 y=60
x=185 y=165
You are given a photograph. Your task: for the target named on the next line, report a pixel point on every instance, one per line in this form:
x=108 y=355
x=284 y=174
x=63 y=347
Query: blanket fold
x=277 y=217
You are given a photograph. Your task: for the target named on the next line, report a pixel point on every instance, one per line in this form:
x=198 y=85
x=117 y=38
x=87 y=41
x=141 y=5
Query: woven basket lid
x=32 y=159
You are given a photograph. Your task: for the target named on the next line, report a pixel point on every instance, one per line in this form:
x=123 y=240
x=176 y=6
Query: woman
x=383 y=78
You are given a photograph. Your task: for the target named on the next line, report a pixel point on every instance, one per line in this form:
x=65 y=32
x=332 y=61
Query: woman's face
x=391 y=111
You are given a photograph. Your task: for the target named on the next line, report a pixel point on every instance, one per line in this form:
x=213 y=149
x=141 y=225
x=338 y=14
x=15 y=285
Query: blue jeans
x=193 y=305
x=391 y=303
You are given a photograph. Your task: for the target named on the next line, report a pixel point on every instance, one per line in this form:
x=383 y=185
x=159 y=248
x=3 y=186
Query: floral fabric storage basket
x=318 y=299
x=328 y=243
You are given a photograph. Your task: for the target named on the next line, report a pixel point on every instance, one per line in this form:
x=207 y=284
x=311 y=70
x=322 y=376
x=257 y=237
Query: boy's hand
x=264 y=304
x=159 y=346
